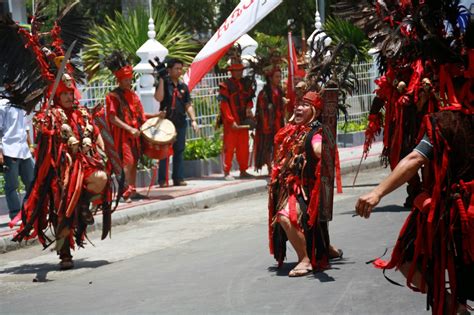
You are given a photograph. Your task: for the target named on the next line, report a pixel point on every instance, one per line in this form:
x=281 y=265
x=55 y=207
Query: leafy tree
x=196 y=15
x=129 y=33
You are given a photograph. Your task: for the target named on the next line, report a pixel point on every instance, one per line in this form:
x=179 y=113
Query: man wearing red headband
x=70 y=173
x=125 y=115
x=236 y=107
x=270 y=116
x=294 y=192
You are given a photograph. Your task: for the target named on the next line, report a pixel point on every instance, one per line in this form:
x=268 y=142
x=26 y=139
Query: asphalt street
x=216 y=261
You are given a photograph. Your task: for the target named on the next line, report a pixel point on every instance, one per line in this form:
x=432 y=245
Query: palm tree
x=128 y=33
x=334 y=59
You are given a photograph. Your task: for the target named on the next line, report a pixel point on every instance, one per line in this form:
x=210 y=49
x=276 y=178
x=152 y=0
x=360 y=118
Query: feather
x=115 y=61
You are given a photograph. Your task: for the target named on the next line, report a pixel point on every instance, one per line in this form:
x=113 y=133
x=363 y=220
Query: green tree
x=129 y=33
x=302 y=11
x=199 y=16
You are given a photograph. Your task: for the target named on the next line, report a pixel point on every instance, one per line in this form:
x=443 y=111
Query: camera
x=159 y=68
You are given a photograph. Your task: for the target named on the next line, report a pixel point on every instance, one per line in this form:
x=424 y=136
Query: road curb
x=162 y=208
x=185 y=204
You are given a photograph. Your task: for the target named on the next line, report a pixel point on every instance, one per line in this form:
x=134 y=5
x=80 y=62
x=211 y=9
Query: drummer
x=125 y=115
x=174 y=98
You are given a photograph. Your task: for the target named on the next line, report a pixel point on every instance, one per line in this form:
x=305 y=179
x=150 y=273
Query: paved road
x=214 y=261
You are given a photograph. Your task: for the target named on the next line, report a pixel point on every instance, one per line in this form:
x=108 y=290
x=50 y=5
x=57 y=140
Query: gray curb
x=185 y=204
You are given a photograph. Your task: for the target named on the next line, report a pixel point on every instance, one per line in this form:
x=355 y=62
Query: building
x=16 y=7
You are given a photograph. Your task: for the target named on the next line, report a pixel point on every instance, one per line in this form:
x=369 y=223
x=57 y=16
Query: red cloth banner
x=244 y=17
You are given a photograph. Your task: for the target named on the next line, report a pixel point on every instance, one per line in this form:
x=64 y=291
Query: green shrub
x=353 y=126
x=203 y=148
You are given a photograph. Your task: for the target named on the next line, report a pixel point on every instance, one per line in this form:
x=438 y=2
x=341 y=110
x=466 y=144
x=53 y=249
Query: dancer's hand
x=366 y=203
x=135 y=132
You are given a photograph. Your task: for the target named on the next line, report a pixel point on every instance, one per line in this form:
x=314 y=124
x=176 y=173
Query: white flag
x=244 y=17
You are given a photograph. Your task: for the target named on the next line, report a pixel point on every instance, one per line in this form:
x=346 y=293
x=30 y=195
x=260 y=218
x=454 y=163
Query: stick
x=358 y=169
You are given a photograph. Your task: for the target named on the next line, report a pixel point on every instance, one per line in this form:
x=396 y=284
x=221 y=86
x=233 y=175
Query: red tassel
x=338 y=173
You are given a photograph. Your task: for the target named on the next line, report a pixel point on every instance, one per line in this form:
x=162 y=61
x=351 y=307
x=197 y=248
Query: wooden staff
x=328 y=150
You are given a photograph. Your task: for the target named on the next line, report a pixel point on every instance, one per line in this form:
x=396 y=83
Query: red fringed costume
x=127 y=107
x=270 y=119
x=294 y=190
x=438 y=235
x=295 y=186
x=70 y=164
x=426 y=57
x=67 y=156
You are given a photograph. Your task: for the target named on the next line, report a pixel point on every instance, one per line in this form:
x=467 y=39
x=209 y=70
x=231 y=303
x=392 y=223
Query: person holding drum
x=175 y=102
x=125 y=116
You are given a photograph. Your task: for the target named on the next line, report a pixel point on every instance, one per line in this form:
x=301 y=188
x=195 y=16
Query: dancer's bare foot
x=303 y=268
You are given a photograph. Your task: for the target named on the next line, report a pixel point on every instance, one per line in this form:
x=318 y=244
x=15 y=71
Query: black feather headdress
x=116 y=61
x=27 y=59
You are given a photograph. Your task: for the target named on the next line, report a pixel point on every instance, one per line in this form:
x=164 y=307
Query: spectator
x=15 y=153
x=175 y=101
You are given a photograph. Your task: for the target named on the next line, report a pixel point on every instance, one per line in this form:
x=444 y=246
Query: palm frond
x=128 y=33
x=348 y=45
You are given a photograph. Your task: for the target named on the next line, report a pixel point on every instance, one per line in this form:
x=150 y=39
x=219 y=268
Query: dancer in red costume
x=125 y=116
x=270 y=115
x=435 y=248
x=70 y=165
x=438 y=235
x=236 y=105
x=294 y=192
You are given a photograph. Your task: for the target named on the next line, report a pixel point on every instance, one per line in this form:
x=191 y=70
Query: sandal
x=300 y=272
x=339 y=256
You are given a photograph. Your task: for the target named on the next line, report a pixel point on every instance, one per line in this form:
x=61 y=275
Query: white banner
x=244 y=17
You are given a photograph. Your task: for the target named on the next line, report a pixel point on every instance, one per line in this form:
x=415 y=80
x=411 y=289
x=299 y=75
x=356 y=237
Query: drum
x=158 y=136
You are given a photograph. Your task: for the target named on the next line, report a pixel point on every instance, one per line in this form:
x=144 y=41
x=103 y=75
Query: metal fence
x=206 y=104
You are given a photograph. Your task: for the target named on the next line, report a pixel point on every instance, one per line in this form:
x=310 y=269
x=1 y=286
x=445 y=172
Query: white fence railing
x=206 y=105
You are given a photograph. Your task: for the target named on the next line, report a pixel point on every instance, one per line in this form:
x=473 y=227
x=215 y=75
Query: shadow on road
x=388 y=208
x=359 y=185
x=41 y=270
x=391 y=208
x=322 y=276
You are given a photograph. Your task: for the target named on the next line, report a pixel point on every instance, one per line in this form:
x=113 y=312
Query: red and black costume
x=126 y=106
x=235 y=99
x=294 y=192
x=270 y=119
x=438 y=235
x=68 y=156
x=418 y=44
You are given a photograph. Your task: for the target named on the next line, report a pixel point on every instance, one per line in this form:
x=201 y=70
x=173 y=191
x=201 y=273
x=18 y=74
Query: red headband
x=312 y=98
x=124 y=73
x=235 y=67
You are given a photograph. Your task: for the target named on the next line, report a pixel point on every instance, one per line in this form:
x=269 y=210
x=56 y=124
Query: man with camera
x=175 y=102
x=15 y=153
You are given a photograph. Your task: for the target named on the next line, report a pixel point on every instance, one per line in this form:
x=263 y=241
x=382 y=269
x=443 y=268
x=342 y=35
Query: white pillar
x=149 y=50
x=318 y=27
x=18 y=10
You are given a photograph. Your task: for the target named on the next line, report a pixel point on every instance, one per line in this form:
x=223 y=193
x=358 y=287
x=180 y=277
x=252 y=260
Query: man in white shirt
x=15 y=154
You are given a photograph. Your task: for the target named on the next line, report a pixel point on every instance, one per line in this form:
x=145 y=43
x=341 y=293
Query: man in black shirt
x=175 y=100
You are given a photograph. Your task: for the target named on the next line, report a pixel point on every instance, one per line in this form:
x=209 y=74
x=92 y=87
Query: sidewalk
x=199 y=193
